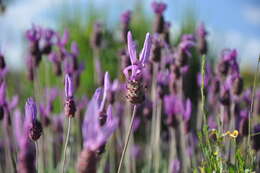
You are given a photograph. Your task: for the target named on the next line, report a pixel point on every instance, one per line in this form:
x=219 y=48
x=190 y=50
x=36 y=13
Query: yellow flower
x=227 y=133
x=234 y=134
x=215 y=153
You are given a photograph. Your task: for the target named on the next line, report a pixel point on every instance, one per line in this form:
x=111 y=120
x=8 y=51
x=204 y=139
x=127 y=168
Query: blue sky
x=231 y=23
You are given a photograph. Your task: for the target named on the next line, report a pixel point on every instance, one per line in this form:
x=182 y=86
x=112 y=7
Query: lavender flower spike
x=137 y=65
x=70 y=107
x=32 y=125
x=95 y=136
x=135 y=93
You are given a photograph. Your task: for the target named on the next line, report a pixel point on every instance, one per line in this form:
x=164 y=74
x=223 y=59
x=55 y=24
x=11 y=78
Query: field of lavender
x=134 y=101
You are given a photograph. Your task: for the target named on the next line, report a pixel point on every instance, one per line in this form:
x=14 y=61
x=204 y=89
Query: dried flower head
x=70 y=107
x=135 y=88
x=33 y=126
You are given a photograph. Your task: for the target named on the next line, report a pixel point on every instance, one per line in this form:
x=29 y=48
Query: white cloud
x=19 y=17
x=252 y=15
x=248 y=47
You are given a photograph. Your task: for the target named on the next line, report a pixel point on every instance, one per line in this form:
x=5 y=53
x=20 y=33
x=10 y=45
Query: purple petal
x=30 y=110
x=74 y=49
x=188 y=110
x=14 y=102
x=111 y=124
x=64 y=38
x=145 y=54
x=68 y=86
x=105 y=90
x=131 y=48
x=2 y=93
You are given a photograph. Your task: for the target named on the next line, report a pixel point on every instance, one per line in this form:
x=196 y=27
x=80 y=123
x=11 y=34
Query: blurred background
x=231 y=24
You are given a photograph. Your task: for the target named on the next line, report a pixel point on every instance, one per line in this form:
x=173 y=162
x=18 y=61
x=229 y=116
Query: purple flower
x=137 y=66
x=186 y=44
x=201 y=31
x=94 y=134
x=188 y=37
x=69 y=90
x=126 y=17
x=175 y=166
x=32 y=126
x=136 y=124
x=48 y=34
x=183 y=53
x=74 y=49
x=228 y=62
x=175 y=106
x=33 y=34
x=136 y=151
x=30 y=111
x=247 y=96
x=2 y=94
x=159 y=7
x=62 y=40
x=211 y=123
x=201 y=37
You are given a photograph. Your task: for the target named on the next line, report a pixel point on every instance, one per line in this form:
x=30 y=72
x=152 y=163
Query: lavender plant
x=141 y=116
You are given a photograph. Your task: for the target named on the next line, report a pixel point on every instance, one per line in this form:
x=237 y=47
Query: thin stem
x=37 y=154
x=252 y=101
x=127 y=140
x=203 y=63
x=254 y=134
x=157 y=137
x=66 y=144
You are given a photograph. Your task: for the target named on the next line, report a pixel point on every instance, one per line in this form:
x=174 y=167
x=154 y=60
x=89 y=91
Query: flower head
x=94 y=134
x=32 y=126
x=159 y=7
x=30 y=110
x=33 y=34
x=176 y=106
x=2 y=94
x=126 y=17
x=137 y=65
x=201 y=31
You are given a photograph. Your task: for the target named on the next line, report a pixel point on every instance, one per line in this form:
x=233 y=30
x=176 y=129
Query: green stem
x=37 y=154
x=66 y=144
x=127 y=140
x=203 y=63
